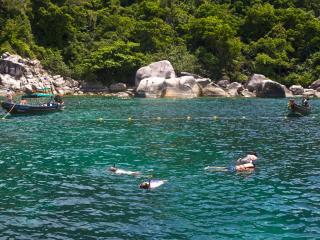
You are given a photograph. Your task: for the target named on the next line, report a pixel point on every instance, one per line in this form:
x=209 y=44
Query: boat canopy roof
x=37 y=95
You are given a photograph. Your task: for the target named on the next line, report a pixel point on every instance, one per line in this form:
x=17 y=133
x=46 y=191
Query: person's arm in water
x=246 y=159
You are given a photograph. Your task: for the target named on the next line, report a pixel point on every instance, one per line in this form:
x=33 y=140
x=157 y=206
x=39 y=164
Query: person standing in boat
x=9 y=96
x=291 y=104
x=305 y=101
x=58 y=99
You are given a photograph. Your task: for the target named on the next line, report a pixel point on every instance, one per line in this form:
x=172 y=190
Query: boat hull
x=31 y=109
x=298 y=111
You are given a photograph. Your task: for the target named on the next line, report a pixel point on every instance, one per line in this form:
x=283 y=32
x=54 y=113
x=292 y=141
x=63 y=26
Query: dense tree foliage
x=108 y=40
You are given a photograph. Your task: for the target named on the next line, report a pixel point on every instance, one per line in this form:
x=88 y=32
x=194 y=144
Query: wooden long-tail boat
x=51 y=105
x=296 y=110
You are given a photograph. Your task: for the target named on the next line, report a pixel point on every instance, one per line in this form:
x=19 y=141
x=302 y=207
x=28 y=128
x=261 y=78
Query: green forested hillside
x=109 y=40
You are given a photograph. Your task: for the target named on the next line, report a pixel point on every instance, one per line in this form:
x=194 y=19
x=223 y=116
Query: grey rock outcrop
x=152 y=87
x=156 y=87
x=214 y=91
x=159 y=80
x=271 y=89
x=161 y=69
x=203 y=82
x=288 y=93
x=309 y=93
x=223 y=83
x=19 y=74
x=234 y=89
x=118 y=87
x=247 y=94
x=296 y=89
x=315 y=85
x=255 y=82
x=10 y=82
x=182 y=87
x=264 y=87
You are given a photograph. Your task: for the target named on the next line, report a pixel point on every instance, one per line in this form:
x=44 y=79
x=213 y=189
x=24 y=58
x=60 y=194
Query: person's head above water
x=145 y=185
x=253 y=153
x=113 y=168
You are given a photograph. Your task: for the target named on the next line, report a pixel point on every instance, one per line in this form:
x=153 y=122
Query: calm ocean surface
x=54 y=182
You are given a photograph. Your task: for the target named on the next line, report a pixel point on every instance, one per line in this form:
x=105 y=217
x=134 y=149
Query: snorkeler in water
x=119 y=171
x=246 y=163
x=151 y=184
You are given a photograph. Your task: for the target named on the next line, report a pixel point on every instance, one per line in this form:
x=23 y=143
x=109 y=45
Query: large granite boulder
x=309 y=92
x=152 y=87
x=247 y=94
x=296 y=89
x=223 y=83
x=161 y=69
x=203 y=82
x=214 y=91
x=155 y=87
x=182 y=87
x=255 y=82
x=270 y=89
x=315 y=85
x=9 y=82
x=288 y=93
x=234 y=89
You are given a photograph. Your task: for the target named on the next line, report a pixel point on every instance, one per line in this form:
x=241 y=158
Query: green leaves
x=110 y=40
x=218 y=39
x=113 y=61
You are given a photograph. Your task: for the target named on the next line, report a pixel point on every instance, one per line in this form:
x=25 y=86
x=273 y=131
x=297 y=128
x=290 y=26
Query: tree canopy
x=108 y=40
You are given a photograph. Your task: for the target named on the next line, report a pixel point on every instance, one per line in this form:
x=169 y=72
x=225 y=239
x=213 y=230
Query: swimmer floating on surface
x=243 y=164
x=119 y=171
x=151 y=184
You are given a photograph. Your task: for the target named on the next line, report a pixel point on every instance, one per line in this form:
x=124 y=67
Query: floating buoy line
x=186 y=118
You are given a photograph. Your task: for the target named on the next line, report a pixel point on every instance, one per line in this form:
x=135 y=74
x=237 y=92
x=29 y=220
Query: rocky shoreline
x=157 y=80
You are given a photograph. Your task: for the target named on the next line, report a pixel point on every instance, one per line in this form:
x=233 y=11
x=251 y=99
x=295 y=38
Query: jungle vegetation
x=108 y=40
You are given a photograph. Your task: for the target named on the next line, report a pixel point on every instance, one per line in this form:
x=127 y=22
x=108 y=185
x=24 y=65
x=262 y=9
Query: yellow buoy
x=129 y=118
x=100 y=119
x=215 y=117
x=158 y=118
x=189 y=118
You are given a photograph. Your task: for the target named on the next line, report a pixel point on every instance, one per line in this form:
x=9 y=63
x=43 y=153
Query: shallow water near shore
x=54 y=182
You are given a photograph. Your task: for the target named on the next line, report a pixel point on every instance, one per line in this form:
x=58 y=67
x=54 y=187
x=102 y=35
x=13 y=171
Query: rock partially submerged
x=156 y=80
x=159 y=80
x=156 y=87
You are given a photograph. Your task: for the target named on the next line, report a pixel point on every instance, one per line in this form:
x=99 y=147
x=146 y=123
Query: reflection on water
x=54 y=182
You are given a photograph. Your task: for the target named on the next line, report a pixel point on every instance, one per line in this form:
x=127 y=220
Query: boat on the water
x=296 y=110
x=26 y=106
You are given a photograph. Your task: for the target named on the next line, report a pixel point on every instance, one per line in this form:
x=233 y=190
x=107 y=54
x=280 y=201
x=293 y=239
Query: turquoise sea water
x=54 y=182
